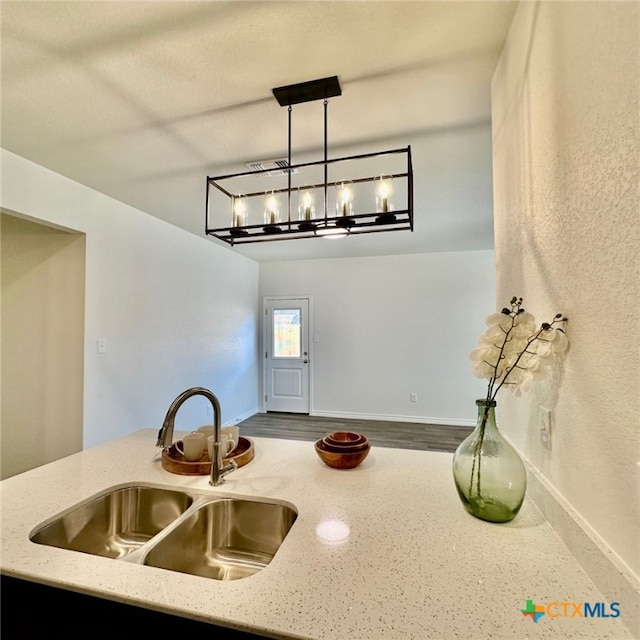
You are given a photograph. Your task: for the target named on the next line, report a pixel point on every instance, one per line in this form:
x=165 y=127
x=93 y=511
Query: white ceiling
x=143 y=100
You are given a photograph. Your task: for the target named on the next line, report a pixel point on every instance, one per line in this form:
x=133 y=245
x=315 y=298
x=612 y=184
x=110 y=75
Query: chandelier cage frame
x=361 y=211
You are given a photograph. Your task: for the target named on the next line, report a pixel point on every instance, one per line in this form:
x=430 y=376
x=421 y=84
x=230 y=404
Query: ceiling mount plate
x=308 y=91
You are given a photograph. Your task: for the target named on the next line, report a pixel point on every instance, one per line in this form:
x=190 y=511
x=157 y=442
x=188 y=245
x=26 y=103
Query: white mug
x=234 y=434
x=227 y=445
x=191 y=446
x=207 y=429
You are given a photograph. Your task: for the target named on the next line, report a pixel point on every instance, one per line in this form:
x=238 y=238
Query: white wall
x=390 y=326
x=176 y=310
x=566 y=175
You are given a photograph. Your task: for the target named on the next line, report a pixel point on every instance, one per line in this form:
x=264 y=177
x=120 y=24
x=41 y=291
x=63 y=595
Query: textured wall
x=566 y=158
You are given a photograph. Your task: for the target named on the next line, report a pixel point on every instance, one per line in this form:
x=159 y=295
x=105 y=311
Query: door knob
x=305 y=361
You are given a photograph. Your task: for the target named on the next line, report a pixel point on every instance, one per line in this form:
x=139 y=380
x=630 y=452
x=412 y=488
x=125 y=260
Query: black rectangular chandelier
x=366 y=193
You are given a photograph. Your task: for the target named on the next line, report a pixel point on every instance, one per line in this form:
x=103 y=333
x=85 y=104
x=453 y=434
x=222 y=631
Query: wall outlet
x=545 y=428
x=413 y=397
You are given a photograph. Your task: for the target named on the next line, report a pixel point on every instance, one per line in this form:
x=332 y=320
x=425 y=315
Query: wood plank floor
x=381 y=433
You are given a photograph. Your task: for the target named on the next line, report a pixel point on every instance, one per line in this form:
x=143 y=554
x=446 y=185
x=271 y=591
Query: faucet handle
x=218 y=470
x=228 y=468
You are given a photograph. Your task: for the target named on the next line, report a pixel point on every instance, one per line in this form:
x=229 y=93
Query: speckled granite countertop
x=415 y=564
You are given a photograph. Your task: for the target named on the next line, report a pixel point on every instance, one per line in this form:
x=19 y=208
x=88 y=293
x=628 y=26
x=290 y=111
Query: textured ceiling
x=143 y=100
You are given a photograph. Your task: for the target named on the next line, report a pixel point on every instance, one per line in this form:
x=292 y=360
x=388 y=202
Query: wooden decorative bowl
x=338 y=460
x=345 y=442
x=344 y=447
x=175 y=462
x=345 y=438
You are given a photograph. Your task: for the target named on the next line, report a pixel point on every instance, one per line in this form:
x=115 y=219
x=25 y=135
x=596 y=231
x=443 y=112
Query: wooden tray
x=174 y=461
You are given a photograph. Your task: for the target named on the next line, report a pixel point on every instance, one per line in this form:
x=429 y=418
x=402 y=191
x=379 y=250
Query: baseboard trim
x=243 y=416
x=454 y=422
x=609 y=573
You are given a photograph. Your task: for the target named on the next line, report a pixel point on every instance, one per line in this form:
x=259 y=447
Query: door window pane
x=286 y=333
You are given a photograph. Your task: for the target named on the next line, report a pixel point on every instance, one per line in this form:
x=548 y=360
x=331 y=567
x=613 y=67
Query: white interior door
x=287 y=355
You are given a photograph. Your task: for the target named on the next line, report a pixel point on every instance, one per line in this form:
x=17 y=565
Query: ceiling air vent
x=271 y=167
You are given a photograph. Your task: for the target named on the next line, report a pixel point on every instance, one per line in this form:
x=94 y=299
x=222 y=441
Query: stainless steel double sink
x=223 y=538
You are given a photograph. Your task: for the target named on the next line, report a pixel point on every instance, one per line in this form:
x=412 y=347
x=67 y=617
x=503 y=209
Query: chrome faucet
x=165 y=435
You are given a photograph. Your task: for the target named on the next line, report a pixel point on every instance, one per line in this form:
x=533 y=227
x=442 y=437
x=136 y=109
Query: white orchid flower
x=514 y=351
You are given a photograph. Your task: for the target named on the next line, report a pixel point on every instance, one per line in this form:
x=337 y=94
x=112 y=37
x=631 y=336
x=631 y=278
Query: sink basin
x=117 y=523
x=224 y=540
x=217 y=537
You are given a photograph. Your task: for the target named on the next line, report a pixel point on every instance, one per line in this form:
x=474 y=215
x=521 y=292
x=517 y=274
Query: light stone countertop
x=415 y=565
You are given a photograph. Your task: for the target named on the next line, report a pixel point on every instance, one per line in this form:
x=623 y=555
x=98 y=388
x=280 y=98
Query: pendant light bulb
x=384 y=191
x=344 y=199
x=239 y=211
x=306 y=207
x=271 y=209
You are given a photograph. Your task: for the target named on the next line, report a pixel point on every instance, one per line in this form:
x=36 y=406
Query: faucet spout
x=165 y=435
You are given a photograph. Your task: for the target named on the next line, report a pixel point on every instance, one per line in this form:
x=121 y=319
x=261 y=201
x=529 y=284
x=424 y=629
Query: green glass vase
x=488 y=472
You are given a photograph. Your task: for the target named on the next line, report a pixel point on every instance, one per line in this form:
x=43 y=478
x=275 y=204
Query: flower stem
x=492 y=381
x=477 y=457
